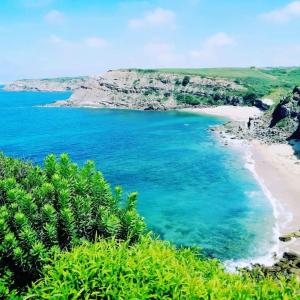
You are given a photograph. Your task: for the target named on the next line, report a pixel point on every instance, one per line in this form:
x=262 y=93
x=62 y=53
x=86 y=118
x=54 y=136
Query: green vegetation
x=44 y=211
x=261 y=81
x=193 y=100
x=150 y=270
x=186 y=80
x=61 y=224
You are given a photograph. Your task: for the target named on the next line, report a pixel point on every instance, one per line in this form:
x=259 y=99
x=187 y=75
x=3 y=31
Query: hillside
x=264 y=82
x=279 y=124
x=165 y=89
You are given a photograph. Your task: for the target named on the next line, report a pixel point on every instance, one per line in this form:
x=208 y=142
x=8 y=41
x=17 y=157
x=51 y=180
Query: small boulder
x=285 y=238
x=291 y=255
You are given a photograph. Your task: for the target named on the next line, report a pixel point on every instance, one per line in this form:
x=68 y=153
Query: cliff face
x=286 y=115
x=143 y=90
x=280 y=125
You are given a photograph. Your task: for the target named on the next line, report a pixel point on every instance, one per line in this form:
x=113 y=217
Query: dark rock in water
x=288 y=265
x=285 y=238
x=291 y=255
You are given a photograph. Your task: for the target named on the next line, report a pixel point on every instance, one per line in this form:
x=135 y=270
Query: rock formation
x=141 y=89
x=279 y=125
x=46 y=85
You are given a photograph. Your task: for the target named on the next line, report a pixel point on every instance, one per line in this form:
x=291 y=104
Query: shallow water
x=192 y=190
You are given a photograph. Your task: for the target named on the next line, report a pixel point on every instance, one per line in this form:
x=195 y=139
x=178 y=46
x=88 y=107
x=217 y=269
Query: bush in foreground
x=149 y=270
x=63 y=223
x=46 y=210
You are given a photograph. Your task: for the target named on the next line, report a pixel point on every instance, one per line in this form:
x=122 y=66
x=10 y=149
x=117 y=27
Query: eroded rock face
x=148 y=91
x=143 y=90
x=279 y=126
x=289 y=107
x=279 y=113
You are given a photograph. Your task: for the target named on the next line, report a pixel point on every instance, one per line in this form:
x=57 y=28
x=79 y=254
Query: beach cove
x=275 y=166
x=193 y=190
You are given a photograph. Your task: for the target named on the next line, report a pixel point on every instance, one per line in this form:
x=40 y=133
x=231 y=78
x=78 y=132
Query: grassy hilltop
x=264 y=82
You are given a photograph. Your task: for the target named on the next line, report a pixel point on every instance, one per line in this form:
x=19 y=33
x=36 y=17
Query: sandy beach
x=277 y=168
x=234 y=113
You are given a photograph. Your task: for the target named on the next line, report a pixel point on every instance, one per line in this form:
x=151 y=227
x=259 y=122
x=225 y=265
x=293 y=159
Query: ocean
x=193 y=190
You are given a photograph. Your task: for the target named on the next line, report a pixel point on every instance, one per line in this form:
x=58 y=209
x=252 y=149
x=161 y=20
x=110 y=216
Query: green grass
x=261 y=81
x=222 y=72
x=150 y=270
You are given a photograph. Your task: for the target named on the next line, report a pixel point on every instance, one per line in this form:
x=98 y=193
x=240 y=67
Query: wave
x=281 y=218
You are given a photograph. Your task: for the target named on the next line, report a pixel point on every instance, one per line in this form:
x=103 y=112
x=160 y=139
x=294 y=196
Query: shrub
x=194 y=100
x=149 y=270
x=188 y=99
x=46 y=210
x=186 y=80
x=250 y=98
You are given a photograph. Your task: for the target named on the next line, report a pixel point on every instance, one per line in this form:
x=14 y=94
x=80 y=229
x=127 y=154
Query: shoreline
x=277 y=171
x=233 y=113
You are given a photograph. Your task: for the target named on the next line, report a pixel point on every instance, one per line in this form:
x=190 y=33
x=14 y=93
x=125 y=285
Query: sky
x=53 y=38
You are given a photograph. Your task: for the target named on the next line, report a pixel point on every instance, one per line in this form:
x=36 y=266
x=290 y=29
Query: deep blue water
x=192 y=190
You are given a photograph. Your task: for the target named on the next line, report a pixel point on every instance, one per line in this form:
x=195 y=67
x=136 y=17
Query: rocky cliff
x=280 y=124
x=138 y=89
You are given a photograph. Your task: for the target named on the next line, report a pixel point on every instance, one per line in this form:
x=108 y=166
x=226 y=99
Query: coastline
x=276 y=169
x=233 y=113
x=279 y=170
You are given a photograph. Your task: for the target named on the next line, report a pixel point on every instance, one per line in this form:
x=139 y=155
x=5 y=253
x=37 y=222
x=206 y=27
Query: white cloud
x=155 y=18
x=283 y=14
x=212 y=48
x=96 y=42
x=163 y=53
x=55 y=17
x=89 y=42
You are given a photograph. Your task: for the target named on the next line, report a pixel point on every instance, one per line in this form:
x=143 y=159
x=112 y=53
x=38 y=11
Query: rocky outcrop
x=290 y=236
x=278 y=126
x=46 y=85
x=288 y=265
x=138 y=89
x=151 y=91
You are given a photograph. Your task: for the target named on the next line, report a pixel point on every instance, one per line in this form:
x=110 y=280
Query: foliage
x=250 y=98
x=46 y=210
x=150 y=270
x=192 y=99
x=62 y=223
x=261 y=81
x=186 y=80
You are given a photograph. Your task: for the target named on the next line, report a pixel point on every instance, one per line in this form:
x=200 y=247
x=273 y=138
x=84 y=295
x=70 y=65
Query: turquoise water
x=192 y=190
